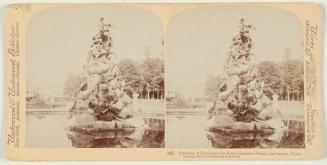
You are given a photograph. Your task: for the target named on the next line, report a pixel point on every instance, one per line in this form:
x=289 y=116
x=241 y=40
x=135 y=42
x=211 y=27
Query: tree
x=292 y=77
x=130 y=73
x=153 y=75
x=145 y=76
x=212 y=86
x=285 y=78
x=72 y=85
x=269 y=71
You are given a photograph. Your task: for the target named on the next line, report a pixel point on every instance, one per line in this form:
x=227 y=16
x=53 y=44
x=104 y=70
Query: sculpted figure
x=241 y=103
x=103 y=92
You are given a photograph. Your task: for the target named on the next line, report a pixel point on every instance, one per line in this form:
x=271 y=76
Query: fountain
x=241 y=105
x=101 y=103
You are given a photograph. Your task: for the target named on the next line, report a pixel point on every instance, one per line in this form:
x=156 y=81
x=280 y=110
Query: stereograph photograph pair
x=163 y=81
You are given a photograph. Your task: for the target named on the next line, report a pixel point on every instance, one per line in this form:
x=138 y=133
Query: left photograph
x=95 y=78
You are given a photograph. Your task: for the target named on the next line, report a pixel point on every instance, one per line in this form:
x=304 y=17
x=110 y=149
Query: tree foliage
x=153 y=73
x=286 y=76
x=282 y=78
x=270 y=72
x=145 y=76
x=72 y=84
x=212 y=86
x=292 y=75
x=131 y=73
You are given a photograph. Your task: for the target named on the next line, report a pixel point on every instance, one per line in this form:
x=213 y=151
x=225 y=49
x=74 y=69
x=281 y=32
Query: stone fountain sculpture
x=241 y=104
x=102 y=95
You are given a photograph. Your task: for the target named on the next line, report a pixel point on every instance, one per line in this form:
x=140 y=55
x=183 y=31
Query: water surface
x=189 y=131
x=50 y=129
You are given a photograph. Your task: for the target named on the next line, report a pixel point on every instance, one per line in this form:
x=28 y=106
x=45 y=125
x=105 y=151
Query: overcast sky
x=58 y=39
x=199 y=39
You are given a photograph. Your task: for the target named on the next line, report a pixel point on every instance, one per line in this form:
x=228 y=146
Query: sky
x=199 y=39
x=58 y=39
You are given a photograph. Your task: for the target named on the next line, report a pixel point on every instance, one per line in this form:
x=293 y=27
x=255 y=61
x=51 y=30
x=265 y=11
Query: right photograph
x=234 y=79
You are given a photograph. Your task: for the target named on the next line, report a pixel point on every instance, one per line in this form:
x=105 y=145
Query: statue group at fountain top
x=241 y=103
x=103 y=91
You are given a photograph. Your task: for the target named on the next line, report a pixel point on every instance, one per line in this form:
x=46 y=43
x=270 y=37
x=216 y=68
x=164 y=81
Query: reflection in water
x=292 y=140
x=153 y=139
x=186 y=131
x=118 y=139
x=257 y=140
x=49 y=130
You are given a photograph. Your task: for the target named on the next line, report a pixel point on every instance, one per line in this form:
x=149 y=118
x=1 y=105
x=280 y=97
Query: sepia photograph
x=95 y=78
x=163 y=81
x=235 y=79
